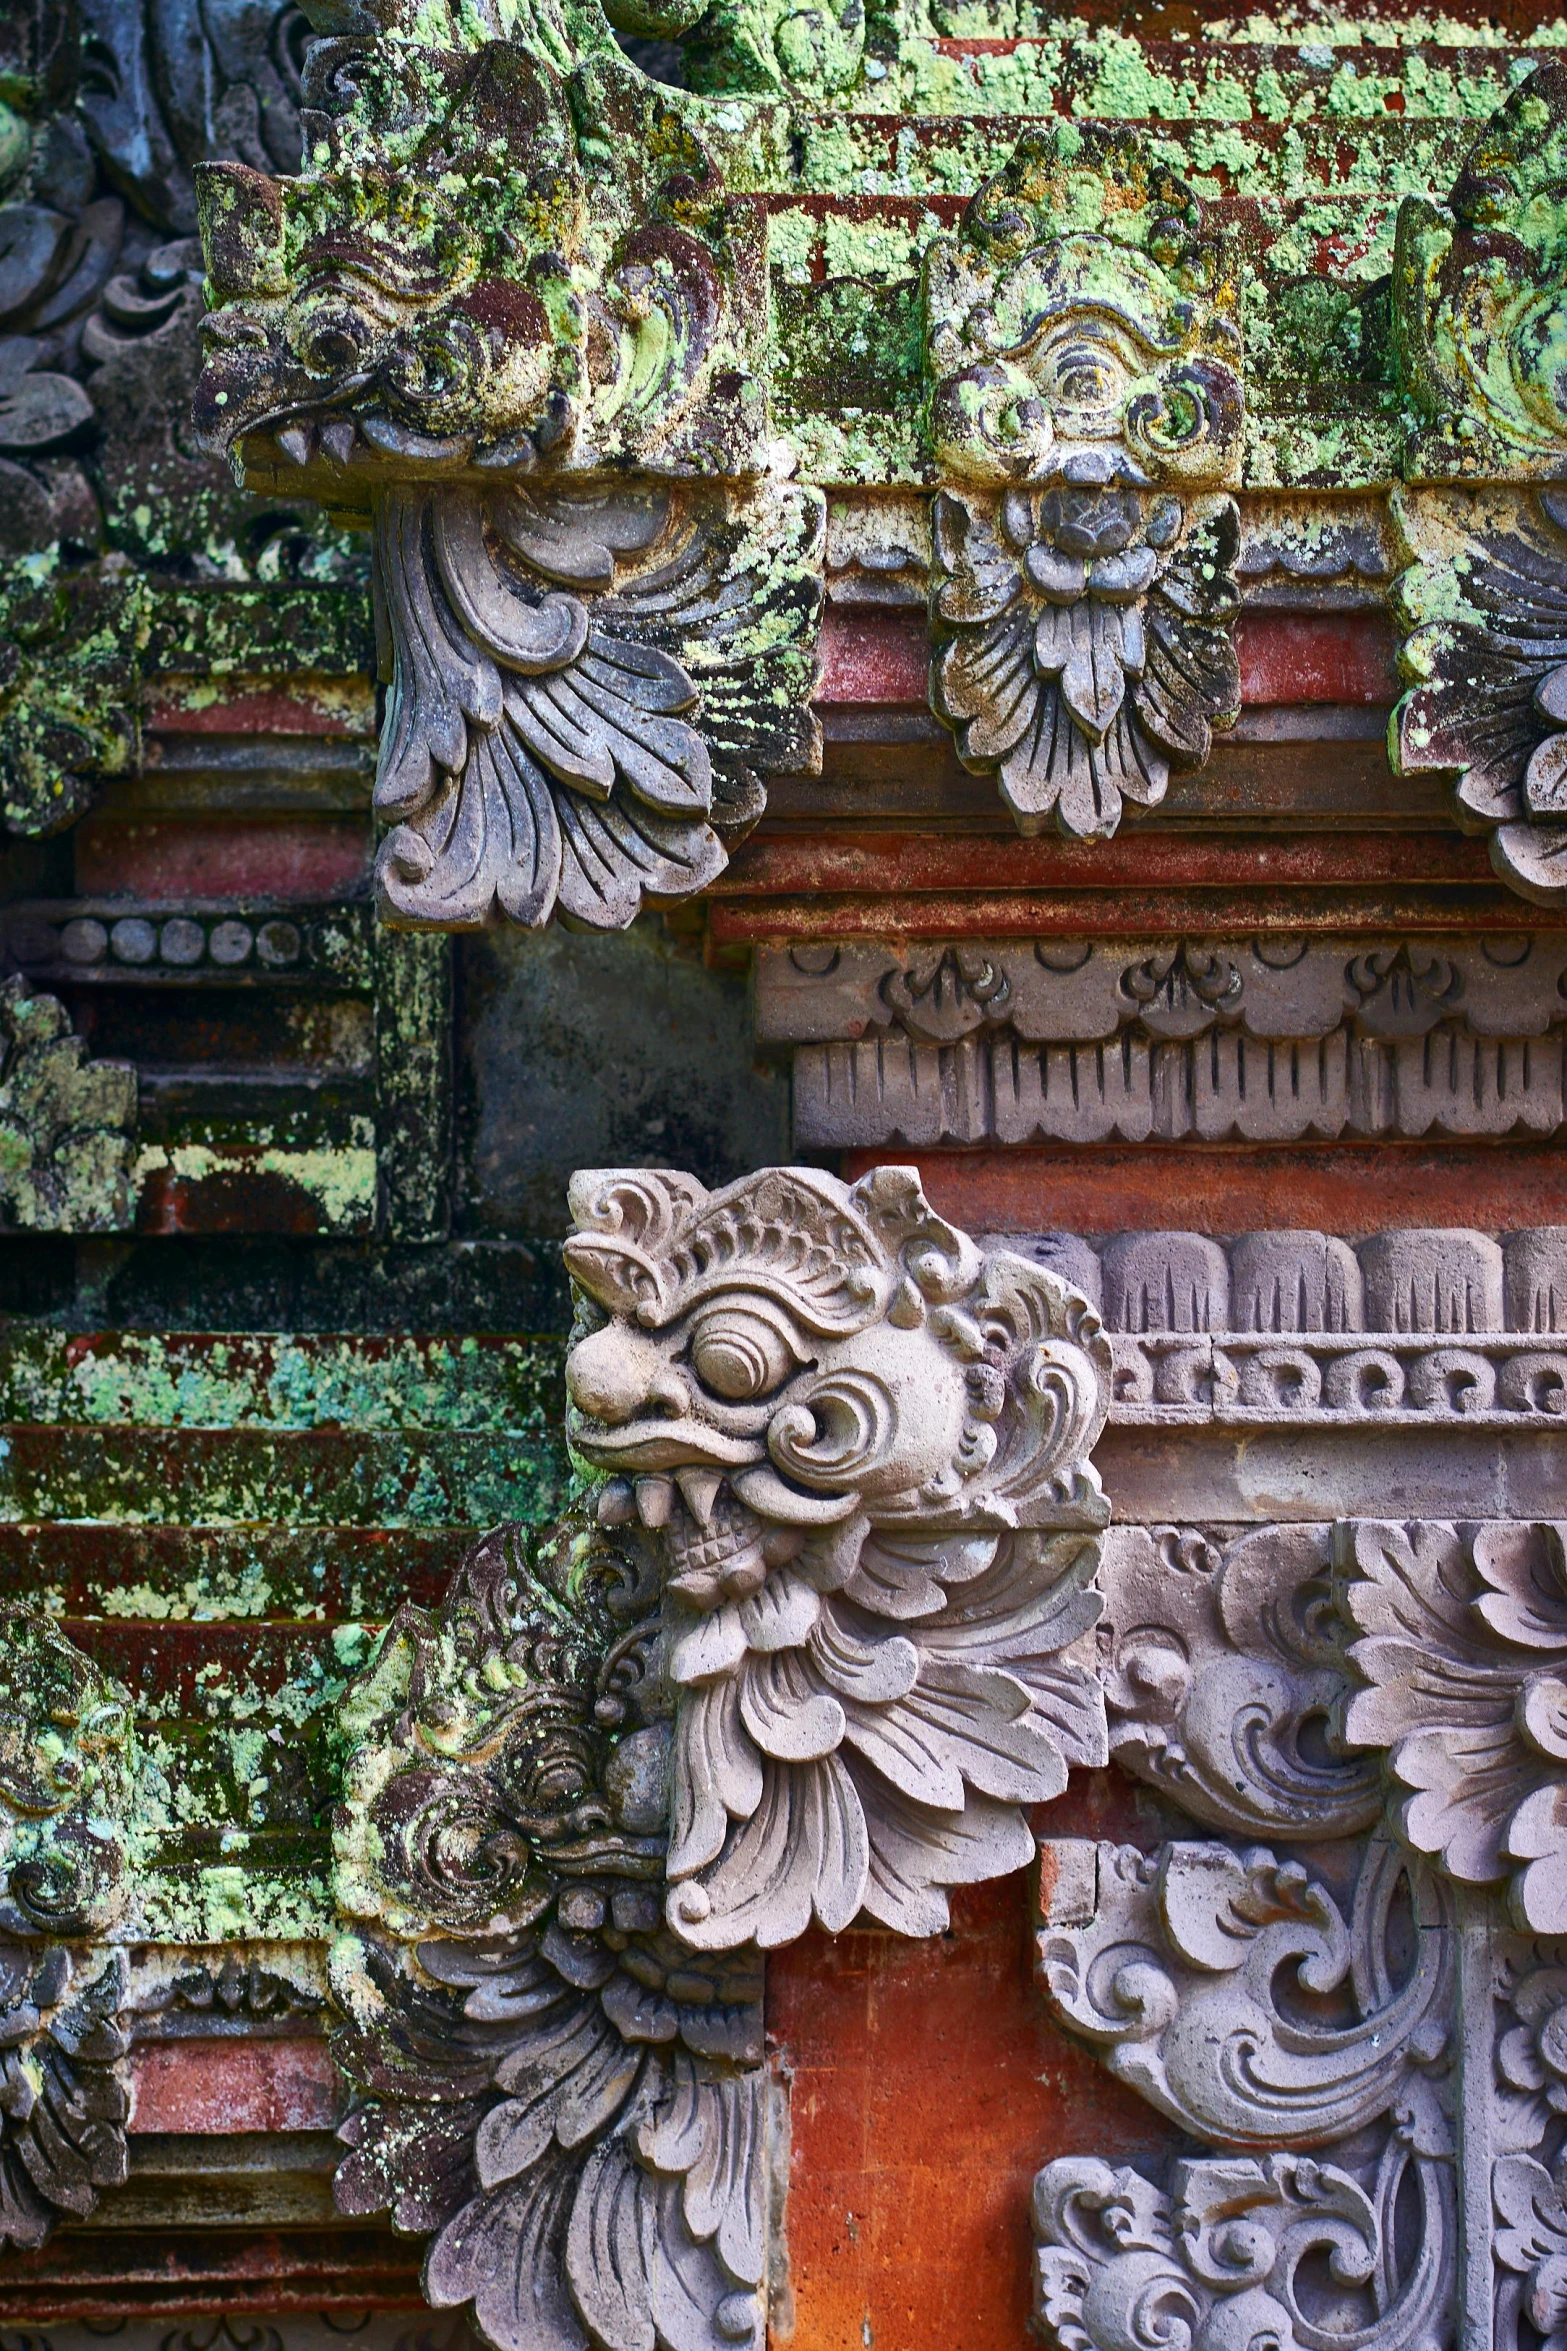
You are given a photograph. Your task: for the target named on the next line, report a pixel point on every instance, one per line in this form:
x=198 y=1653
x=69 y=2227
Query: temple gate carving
x=783 y=1278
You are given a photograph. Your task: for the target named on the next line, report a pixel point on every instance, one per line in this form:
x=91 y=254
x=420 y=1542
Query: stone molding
x=1215 y=1040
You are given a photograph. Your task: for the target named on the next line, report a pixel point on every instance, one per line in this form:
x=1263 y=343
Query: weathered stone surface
x=67 y=1124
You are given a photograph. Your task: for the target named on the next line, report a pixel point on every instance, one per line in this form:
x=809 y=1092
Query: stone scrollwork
x=1462 y=1662
x=1085 y=413
x=1483 y=610
x=65 y=1760
x=580 y=694
x=598 y=597
x=1225 y=1664
x=1478 y=317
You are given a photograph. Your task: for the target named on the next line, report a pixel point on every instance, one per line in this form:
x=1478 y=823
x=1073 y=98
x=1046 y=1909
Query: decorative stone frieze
x=512 y=313
x=67 y=1124
x=1085 y=407
x=1260 y=1040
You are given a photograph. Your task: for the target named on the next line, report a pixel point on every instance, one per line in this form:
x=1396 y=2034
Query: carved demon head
x=851 y=1429
x=788 y=1356
x=472 y=286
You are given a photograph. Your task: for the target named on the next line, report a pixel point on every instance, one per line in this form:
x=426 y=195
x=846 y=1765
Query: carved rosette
x=516 y=319
x=864 y=1446
x=1086 y=410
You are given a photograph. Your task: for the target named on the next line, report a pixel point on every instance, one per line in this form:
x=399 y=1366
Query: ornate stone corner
x=1361 y=2018
x=1215 y=1040
x=514 y=317
x=819 y=1642
x=67 y=1124
x=65 y=1760
x=70 y=685
x=1085 y=413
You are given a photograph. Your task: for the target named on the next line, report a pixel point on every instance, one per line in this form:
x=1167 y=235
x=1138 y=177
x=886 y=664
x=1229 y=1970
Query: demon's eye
x=744 y=1351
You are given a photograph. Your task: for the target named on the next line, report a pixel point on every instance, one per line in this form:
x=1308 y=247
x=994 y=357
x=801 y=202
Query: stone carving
x=1483 y=610
x=100 y=299
x=1119 y=2261
x=65 y=1752
x=1223 y=1666
x=1463 y=1640
x=1477 y=304
x=547 y=745
x=1177 y=1981
x=598 y=615
x=1262 y=1040
x=864 y=1447
x=67 y=1124
x=547 y=2078
x=63 y=2097
x=1477 y=313
x=1085 y=409
x=65 y=1761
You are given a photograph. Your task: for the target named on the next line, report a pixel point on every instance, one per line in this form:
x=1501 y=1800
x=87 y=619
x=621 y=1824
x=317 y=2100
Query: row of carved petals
x=1441 y=1280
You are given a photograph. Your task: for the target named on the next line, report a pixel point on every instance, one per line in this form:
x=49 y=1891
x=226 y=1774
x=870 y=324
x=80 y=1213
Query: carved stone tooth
x=655 y=1500
x=617 y=1503
x=296 y=442
x=699 y=1487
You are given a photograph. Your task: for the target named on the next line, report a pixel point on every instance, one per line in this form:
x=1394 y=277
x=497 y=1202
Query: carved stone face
x=785 y=1359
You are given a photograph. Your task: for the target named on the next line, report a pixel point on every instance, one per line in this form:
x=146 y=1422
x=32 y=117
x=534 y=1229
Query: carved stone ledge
x=1215 y=1040
x=1084 y=583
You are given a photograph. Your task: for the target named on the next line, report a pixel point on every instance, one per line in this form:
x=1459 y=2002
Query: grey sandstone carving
x=864 y=1445
x=1262 y=1040
x=67 y=1124
x=820 y=1643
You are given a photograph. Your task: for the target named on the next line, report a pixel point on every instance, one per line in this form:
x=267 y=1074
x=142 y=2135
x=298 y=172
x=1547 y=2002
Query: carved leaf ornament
x=543 y=743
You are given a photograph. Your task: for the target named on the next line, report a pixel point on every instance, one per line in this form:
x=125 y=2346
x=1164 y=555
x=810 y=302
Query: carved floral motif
x=582 y=689
x=864 y=1446
x=1085 y=403
x=1462 y=1650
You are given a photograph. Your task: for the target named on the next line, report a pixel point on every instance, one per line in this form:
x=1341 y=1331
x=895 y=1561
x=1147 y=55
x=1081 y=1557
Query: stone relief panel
x=1086 y=412
x=1269 y=1039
